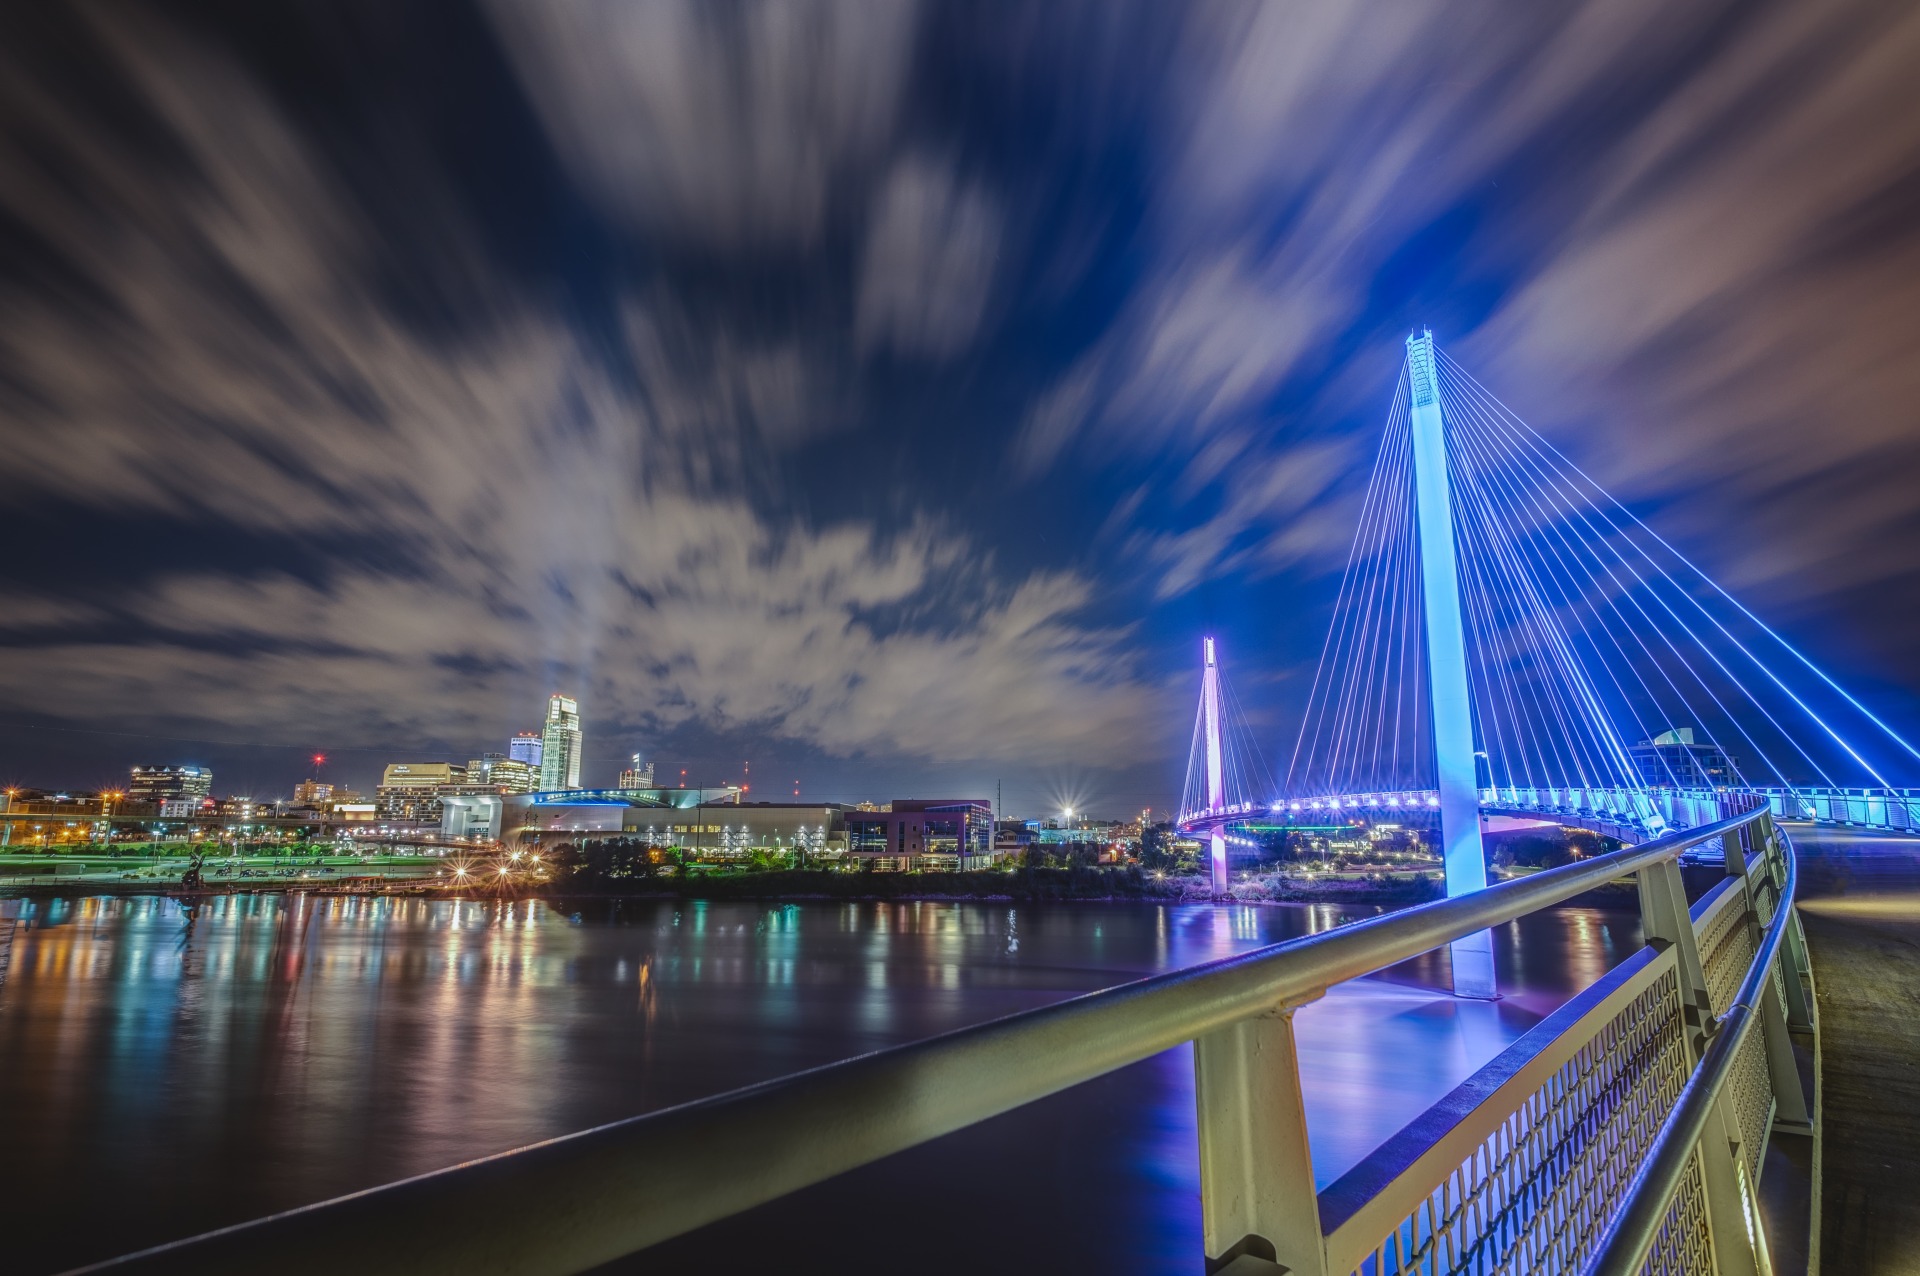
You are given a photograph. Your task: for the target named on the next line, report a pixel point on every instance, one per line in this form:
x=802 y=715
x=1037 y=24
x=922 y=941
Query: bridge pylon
x=1461 y=847
x=1216 y=778
x=1227 y=781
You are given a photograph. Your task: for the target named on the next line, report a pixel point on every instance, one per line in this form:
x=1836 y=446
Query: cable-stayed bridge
x=1508 y=637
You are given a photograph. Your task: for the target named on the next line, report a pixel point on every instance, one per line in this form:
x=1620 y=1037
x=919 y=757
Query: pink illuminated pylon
x=1216 y=782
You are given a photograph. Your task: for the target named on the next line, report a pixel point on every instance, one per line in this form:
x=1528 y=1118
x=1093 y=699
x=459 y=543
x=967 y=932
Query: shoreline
x=770 y=889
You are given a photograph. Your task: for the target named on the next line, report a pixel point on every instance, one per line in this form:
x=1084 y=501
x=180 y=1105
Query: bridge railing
x=1528 y=1160
x=1711 y=1147
x=1525 y=1165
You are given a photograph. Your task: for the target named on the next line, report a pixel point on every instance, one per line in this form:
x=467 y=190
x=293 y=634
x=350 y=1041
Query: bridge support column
x=1258 y=1202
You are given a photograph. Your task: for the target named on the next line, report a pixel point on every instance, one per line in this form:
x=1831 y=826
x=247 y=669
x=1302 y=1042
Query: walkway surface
x=1860 y=894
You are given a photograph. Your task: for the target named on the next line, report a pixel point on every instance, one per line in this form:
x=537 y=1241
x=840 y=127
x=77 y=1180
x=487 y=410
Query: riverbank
x=1022 y=886
x=1038 y=885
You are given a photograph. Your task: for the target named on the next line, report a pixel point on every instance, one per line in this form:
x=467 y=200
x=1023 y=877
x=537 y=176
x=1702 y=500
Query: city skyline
x=901 y=420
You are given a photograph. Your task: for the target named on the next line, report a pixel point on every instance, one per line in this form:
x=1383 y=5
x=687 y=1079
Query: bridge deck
x=1861 y=910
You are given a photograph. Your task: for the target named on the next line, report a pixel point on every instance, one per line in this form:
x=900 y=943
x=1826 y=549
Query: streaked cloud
x=928 y=265
x=539 y=516
x=728 y=124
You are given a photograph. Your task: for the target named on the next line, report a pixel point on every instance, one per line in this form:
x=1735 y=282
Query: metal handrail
x=609 y=1191
x=1624 y=1246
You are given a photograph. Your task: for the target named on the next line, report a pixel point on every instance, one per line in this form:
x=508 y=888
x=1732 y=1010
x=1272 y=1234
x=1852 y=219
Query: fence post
x=1790 y=1101
x=1796 y=976
x=1666 y=923
x=1795 y=968
x=1258 y=1200
x=1733 y=1215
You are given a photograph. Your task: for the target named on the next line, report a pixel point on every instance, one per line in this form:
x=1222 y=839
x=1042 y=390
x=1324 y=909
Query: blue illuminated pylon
x=1461 y=847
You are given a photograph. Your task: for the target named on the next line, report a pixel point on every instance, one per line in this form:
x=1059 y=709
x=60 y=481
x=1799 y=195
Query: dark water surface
x=161 y=1075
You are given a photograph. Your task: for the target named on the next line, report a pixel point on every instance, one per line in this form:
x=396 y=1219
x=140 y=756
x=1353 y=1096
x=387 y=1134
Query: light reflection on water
x=161 y=1074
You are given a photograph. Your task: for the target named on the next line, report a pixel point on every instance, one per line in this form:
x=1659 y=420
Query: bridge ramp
x=1861 y=910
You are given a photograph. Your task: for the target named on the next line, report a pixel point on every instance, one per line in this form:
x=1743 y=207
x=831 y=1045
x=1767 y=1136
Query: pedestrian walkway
x=1860 y=894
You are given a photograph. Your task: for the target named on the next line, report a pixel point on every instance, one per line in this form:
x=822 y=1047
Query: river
x=163 y=1073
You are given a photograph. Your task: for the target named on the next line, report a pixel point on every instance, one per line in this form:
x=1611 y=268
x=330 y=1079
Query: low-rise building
x=65 y=806
x=715 y=825
x=737 y=830
x=572 y=814
x=1674 y=759
x=924 y=833
x=160 y=783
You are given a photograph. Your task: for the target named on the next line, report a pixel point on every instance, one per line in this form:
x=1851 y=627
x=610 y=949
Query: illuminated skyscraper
x=525 y=747
x=560 y=745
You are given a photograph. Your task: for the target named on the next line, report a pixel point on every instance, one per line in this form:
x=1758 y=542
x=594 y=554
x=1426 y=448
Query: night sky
x=892 y=395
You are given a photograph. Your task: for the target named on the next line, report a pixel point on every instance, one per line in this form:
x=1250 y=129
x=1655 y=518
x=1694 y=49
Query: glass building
x=560 y=745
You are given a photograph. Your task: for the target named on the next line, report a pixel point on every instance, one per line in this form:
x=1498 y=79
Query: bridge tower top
x=1422 y=381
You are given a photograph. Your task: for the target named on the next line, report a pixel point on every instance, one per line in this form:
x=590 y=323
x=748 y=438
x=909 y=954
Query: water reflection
x=162 y=1073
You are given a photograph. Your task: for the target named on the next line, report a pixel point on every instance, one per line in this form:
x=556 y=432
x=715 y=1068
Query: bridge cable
x=1717 y=588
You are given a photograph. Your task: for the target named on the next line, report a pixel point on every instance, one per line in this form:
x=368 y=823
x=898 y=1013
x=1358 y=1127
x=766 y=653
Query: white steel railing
x=1524 y=1167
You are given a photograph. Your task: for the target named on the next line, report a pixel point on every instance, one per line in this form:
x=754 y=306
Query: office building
x=503 y=773
x=312 y=793
x=525 y=749
x=164 y=783
x=924 y=833
x=1674 y=759
x=560 y=745
x=412 y=790
x=638 y=775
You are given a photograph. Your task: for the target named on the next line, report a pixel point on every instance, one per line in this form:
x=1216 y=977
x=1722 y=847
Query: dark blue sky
x=889 y=394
